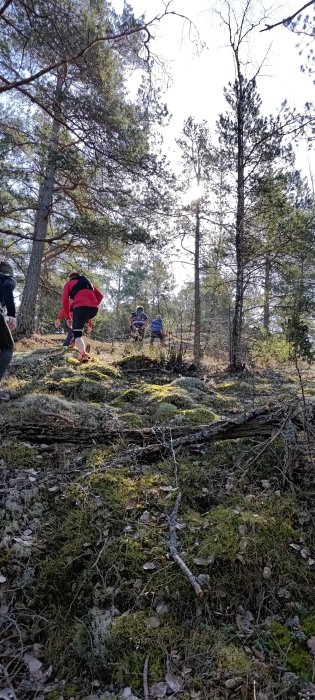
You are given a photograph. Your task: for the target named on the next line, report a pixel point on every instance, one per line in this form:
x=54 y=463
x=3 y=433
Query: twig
x=8 y=681
x=100 y=554
x=145 y=679
x=189 y=575
x=174 y=459
x=305 y=419
x=172 y=520
x=140 y=370
x=289 y=435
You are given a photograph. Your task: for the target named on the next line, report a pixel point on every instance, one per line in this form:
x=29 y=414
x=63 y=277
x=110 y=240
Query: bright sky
x=197 y=78
x=197 y=81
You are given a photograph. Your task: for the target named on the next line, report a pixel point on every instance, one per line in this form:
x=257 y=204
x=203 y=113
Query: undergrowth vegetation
x=86 y=551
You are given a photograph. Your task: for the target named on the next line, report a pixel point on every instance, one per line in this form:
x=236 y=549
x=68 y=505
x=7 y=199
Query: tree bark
x=267 y=289
x=27 y=311
x=237 y=322
x=197 y=349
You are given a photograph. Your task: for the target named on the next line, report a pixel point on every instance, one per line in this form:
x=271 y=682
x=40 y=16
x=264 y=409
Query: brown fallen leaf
x=149 y=566
x=259 y=655
x=145 y=518
x=232 y=683
x=153 y=623
x=200 y=561
x=174 y=682
x=267 y=573
x=159 y=690
x=34 y=665
x=161 y=608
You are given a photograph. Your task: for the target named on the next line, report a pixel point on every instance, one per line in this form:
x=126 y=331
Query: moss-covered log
x=257 y=422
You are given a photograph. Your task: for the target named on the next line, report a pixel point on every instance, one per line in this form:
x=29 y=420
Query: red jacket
x=85 y=297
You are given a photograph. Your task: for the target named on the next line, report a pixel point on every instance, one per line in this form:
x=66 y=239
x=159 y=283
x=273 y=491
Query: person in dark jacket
x=7 y=319
x=157 y=330
x=138 y=321
x=80 y=297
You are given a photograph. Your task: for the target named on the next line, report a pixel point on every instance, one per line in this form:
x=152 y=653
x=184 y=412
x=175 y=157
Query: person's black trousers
x=6 y=345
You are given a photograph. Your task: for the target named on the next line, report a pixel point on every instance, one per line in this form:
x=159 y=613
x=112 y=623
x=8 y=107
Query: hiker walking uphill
x=80 y=297
x=69 y=340
x=138 y=322
x=7 y=319
x=157 y=330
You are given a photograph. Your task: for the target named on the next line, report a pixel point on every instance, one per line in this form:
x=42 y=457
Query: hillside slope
x=136 y=563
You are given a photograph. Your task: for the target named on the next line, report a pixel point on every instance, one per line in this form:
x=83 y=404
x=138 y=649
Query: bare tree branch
x=5 y=6
x=287 y=20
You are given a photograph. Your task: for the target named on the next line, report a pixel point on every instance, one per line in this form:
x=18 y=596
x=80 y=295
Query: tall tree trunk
x=267 y=288
x=197 y=350
x=27 y=311
x=118 y=295
x=236 y=345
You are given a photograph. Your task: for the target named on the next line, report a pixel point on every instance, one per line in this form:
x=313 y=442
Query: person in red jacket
x=80 y=297
x=69 y=340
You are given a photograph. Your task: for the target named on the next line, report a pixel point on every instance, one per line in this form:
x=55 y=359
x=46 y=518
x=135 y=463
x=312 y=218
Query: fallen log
x=256 y=422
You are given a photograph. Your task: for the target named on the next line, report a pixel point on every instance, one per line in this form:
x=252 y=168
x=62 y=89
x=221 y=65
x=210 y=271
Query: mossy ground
x=97 y=588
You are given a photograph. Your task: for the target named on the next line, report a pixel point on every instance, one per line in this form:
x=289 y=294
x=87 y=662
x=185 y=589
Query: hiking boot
x=84 y=357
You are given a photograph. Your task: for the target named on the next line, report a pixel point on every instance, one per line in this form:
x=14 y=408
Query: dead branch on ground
x=173 y=546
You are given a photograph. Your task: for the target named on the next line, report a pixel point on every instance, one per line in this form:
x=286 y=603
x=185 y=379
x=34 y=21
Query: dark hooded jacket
x=7 y=286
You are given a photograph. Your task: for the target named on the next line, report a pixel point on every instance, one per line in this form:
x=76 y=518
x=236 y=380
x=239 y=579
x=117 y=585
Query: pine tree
x=250 y=143
x=197 y=157
x=91 y=149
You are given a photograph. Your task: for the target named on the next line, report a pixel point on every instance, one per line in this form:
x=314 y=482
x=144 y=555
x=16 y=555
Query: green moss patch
x=197 y=416
x=140 y=361
x=17 y=454
x=292 y=649
x=231 y=658
x=102 y=369
x=151 y=395
x=79 y=388
x=246 y=532
x=131 y=639
x=165 y=412
x=128 y=396
x=133 y=420
x=156 y=393
x=35 y=364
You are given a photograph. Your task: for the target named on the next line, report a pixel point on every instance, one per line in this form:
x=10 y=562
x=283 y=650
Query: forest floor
x=138 y=563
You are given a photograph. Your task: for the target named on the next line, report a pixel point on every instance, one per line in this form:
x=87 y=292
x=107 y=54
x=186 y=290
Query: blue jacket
x=156 y=325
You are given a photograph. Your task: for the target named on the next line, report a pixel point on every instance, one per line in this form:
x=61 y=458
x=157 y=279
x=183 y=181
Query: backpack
x=82 y=283
x=138 y=319
x=156 y=325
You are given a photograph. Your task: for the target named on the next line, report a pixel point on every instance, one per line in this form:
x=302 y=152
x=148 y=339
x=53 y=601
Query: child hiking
x=7 y=319
x=80 y=297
